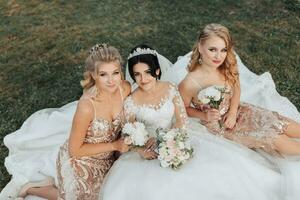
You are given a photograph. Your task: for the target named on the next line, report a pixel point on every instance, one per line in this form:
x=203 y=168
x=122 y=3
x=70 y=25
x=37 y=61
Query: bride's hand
x=212 y=115
x=148 y=154
x=229 y=120
x=151 y=144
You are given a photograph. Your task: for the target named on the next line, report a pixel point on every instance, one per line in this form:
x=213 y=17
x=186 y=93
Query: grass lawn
x=43 y=44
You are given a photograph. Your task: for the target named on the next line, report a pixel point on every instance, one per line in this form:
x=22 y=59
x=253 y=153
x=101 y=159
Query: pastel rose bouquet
x=135 y=134
x=173 y=147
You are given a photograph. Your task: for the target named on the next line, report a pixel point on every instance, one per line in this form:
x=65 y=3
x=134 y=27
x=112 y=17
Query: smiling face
x=108 y=76
x=213 y=51
x=143 y=77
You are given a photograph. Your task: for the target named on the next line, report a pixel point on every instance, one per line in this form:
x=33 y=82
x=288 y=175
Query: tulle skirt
x=219 y=169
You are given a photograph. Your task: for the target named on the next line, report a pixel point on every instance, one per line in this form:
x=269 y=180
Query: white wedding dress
x=220 y=169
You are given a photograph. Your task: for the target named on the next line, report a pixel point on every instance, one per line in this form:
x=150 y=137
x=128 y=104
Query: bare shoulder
x=186 y=84
x=126 y=87
x=85 y=107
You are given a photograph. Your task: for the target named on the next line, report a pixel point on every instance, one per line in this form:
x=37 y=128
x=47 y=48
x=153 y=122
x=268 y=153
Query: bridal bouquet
x=173 y=148
x=135 y=134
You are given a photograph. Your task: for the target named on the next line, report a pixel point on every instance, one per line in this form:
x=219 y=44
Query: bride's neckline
x=161 y=103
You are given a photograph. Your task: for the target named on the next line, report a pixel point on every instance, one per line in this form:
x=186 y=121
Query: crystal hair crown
x=95 y=48
x=142 y=51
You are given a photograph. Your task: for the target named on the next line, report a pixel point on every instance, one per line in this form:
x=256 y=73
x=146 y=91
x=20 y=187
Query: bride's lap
x=217 y=165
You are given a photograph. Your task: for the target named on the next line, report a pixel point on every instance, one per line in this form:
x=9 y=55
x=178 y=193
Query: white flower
x=181 y=145
x=135 y=133
x=164 y=163
x=211 y=92
x=139 y=138
x=202 y=97
x=188 y=145
x=186 y=156
x=217 y=97
x=205 y=100
x=169 y=135
x=128 y=128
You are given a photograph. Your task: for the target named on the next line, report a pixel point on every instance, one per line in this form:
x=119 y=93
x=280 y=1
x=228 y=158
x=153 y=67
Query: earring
x=200 y=61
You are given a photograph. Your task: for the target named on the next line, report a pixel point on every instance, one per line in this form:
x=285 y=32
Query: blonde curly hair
x=229 y=66
x=100 y=53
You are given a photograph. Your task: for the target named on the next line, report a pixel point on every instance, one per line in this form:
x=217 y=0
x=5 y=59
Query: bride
x=219 y=164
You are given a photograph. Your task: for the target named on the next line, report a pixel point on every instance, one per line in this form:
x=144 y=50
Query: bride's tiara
x=140 y=51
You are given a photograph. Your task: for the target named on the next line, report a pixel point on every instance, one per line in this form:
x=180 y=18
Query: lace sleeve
x=129 y=110
x=181 y=118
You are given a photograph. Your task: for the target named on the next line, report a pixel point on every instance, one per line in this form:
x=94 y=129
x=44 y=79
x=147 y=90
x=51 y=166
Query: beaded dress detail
x=81 y=178
x=255 y=127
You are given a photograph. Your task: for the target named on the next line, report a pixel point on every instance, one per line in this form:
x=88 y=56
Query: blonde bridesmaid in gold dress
x=213 y=65
x=85 y=158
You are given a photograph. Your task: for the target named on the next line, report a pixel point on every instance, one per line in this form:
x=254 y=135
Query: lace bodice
x=170 y=112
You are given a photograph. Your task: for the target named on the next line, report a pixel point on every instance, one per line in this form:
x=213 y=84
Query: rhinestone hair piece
x=140 y=51
x=95 y=48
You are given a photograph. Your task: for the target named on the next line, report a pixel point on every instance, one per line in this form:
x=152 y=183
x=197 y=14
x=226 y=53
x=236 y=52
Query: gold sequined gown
x=81 y=178
x=255 y=127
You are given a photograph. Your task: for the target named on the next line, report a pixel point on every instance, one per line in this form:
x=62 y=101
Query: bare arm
x=82 y=118
x=187 y=90
x=235 y=99
x=230 y=117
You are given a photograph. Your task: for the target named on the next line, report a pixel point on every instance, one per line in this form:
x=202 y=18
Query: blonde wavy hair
x=100 y=53
x=229 y=66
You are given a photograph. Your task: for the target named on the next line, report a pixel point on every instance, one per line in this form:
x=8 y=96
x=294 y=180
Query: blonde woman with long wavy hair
x=85 y=158
x=213 y=69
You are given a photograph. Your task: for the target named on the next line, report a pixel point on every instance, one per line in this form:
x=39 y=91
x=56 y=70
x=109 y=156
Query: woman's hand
x=212 y=115
x=120 y=146
x=229 y=120
x=151 y=144
x=204 y=107
x=147 y=154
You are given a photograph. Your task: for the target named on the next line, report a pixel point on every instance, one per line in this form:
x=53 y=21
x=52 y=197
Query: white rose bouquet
x=212 y=96
x=135 y=134
x=173 y=148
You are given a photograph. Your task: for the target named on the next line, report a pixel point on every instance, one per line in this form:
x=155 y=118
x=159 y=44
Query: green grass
x=43 y=44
